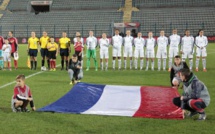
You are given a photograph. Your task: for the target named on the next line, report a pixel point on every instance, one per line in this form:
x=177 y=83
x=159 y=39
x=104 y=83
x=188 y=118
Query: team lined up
x=49 y=49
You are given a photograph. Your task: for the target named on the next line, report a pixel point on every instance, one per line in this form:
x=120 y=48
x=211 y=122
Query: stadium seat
x=73 y=15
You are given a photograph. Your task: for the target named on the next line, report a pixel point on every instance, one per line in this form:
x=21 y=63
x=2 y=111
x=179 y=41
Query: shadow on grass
x=6 y=109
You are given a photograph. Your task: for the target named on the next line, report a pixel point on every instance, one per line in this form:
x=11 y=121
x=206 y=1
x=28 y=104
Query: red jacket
x=78 y=48
x=14 y=44
x=1 y=42
x=21 y=91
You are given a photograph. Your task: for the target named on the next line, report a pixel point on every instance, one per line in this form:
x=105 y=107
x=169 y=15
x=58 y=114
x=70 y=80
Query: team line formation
x=49 y=49
x=194 y=99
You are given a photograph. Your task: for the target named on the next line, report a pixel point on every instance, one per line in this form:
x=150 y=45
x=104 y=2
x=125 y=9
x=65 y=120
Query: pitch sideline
x=29 y=76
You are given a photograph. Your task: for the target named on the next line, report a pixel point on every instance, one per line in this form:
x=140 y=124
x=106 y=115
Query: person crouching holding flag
x=52 y=52
x=22 y=96
x=195 y=97
x=75 y=69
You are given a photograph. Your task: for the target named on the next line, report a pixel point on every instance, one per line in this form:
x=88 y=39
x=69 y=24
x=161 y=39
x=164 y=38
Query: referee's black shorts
x=64 y=52
x=33 y=52
x=44 y=52
x=52 y=54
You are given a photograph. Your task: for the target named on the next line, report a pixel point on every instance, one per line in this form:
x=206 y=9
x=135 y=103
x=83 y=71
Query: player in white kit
x=162 y=42
x=117 y=41
x=173 y=46
x=201 y=43
x=150 y=52
x=139 y=44
x=187 y=48
x=6 y=48
x=128 y=48
x=104 y=44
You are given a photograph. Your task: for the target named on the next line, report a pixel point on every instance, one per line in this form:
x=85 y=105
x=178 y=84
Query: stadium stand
x=86 y=4
x=193 y=18
x=180 y=14
x=61 y=19
x=98 y=15
x=172 y=3
x=69 y=19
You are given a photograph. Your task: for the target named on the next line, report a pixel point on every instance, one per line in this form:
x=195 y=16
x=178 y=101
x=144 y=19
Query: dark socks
x=43 y=62
x=35 y=65
x=48 y=62
x=62 y=63
x=32 y=64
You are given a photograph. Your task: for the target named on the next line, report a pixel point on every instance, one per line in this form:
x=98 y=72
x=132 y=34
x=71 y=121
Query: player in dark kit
x=44 y=40
x=64 y=46
x=14 y=45
x=33 y=44
x=176 y=67
x=75 y=69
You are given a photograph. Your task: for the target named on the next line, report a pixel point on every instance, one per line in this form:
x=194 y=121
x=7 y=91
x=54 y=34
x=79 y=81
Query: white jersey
x=150 y=44
x=117 y=41
x=139 y=43
x=128 y=41
x=75 y=40
x=6 y=48
x=201 y=41
x=174 y=40
x=162 y=42
x=187 y=43
x=104 y=44
x=91 y=42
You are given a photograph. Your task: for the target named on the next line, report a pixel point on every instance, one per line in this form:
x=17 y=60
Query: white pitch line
x=29 y=76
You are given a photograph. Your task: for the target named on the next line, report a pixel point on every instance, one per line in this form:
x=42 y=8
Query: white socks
x=114 y=63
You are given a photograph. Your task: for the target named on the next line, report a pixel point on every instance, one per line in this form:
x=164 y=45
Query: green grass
x=47 y=87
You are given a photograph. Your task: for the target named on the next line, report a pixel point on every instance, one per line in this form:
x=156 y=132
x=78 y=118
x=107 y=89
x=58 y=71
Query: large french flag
x=132 y=101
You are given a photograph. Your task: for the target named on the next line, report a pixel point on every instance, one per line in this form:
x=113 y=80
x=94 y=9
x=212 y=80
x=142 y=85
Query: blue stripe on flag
x=79 y=99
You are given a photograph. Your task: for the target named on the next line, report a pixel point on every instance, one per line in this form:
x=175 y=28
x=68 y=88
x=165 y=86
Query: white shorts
x=6 y=57
x=173 y=52
x=104 y=54
x=187 y=54
x=201 y=52
x=150 y=54
x=138 y=52
x=161 y=54
x=128 y=52
x=117 y=52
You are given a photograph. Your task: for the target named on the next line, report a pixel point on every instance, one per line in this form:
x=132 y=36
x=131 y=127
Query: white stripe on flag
x=117 y=100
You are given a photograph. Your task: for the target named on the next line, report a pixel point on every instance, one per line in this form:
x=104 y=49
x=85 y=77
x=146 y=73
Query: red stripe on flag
x=156 y=102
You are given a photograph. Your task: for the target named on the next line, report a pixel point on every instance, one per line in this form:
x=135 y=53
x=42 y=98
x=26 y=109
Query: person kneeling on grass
x=22 y=96
x=176 y=67
x=195 y=97
x=75 y=69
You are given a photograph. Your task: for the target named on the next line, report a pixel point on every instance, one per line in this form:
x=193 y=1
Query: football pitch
x=48 y=86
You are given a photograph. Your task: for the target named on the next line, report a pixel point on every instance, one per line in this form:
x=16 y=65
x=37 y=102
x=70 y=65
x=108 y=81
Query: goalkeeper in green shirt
x=91 y=50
